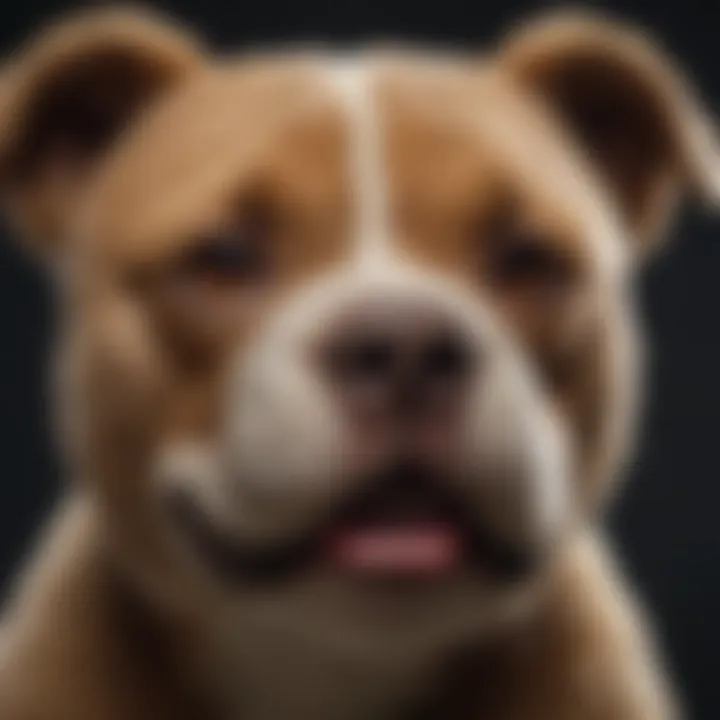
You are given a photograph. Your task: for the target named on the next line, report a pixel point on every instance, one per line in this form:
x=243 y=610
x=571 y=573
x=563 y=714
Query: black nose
x=400 y=358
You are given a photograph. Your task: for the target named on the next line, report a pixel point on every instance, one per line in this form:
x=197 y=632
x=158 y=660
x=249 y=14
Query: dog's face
x=350 y=332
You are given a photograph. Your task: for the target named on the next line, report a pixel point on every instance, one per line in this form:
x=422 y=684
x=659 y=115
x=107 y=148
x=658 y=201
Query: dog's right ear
x=629 y=108
x=64 y=100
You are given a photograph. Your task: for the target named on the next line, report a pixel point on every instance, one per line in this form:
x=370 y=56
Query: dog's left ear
x=628 y=106
x=67 y=96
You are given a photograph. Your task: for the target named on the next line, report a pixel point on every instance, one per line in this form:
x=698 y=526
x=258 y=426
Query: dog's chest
x=276 y=678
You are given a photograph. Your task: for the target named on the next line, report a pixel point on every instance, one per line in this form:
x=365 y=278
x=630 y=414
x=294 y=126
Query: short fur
x=122 y=141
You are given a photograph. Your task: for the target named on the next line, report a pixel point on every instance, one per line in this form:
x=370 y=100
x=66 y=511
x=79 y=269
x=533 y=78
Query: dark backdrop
x=667 y=521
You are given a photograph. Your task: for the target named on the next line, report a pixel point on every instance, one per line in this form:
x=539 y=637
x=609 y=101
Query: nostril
x=375 y=357
x=446 y=357
x=369 y=358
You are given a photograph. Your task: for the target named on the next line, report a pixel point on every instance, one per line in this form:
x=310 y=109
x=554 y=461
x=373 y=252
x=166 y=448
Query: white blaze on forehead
x=353 y=81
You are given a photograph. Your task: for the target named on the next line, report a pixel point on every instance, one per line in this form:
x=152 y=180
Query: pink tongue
x=418 y=548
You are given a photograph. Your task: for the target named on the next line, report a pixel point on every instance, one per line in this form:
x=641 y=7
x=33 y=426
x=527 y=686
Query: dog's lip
x=406 y=504
x=400 y=529
x=230 y=558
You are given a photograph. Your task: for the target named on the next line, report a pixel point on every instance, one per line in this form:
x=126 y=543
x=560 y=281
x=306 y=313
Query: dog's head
x=355 y=331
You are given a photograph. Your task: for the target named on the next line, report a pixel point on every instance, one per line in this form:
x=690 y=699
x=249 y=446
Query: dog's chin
x=366 y=620
x=405 y=531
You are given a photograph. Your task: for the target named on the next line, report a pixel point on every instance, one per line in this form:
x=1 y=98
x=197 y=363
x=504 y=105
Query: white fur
x=353 y=81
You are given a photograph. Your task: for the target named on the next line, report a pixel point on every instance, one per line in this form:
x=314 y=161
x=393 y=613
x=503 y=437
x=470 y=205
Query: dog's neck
x=261 y=675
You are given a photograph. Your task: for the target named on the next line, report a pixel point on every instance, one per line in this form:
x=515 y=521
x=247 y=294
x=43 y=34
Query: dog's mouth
x=405 y=525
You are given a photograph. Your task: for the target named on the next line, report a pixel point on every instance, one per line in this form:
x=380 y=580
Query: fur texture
x=513 y=194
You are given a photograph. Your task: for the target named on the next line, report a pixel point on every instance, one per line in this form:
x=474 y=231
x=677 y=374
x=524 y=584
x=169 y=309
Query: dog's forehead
x=189 y=157
x=410 y=127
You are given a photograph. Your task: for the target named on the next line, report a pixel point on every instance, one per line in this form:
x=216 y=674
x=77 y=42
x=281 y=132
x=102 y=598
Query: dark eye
x=232 y=257
x=523 y=258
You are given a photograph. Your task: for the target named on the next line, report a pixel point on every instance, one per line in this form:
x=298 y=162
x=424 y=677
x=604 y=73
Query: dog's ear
x=66 y=97
x=628 y=106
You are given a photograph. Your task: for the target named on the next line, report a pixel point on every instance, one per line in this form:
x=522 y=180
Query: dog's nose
x=400 y=358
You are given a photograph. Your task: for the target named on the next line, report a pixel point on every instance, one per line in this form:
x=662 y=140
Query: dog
x=347 y=367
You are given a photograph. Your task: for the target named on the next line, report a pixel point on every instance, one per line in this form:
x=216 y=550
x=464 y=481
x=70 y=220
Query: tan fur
x=110 y=621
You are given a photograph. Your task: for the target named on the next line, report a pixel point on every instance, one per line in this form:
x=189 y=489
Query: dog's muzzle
x=393 y=442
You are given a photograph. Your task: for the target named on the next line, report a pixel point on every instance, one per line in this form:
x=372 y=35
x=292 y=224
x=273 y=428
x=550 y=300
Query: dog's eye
x=230 y=257
x=523 y=258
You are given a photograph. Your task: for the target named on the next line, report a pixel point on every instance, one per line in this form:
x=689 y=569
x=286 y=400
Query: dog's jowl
x=346 y=371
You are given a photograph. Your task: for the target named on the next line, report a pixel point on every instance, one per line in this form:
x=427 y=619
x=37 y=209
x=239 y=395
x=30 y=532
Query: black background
x=667 y=523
